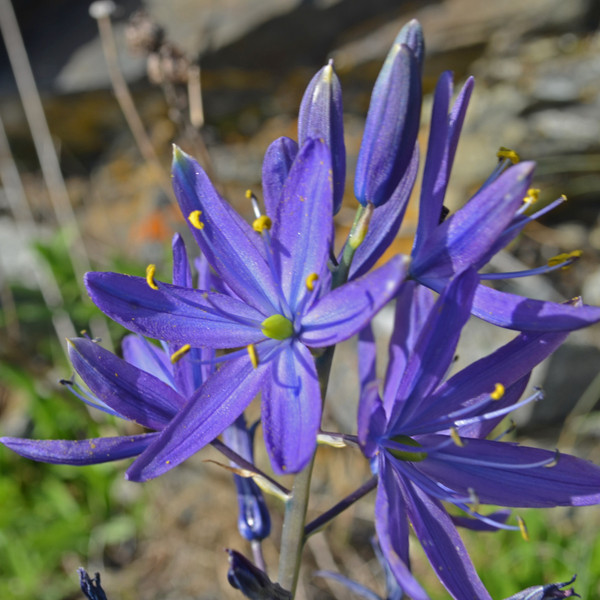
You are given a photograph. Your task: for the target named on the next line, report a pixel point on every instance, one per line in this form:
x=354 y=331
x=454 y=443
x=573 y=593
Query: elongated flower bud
x=392 y=121
x=320 y=117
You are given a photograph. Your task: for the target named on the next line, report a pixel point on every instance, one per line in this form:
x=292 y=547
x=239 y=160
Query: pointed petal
x=507 y=365
x=232 y=247
x=413 y=305
x=345 y=310
x=321 y=117
x=442 y=545
x=303 y=227
x=385 y=222
x=444 y=133
x=465 y=237
x=80 y=452
x=213 y=407
x=392 y=530
x=134 y=394
x=276 y=167
x=499 y=473
x=434 y=350
x=175 y=314
x=371 y=420
x=182 y=274
x=526 y=314
x=140 y=353
x=391 y=127
x=291 y=409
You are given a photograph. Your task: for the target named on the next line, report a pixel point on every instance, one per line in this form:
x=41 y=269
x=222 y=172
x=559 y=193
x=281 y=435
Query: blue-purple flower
x=426 y=436
x=276 y=306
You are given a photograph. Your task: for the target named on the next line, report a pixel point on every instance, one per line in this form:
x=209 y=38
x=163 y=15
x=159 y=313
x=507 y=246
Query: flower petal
x=303 y=228
x=500 y=473
x=385 y=222
x=465 y=237
x=321 y=117
x=347 y=309
x=134 y=394
x=232 y=247
x=140 y=353
x=276 y=167
x=175 y=314
x=525 y=314
x=80 y=452
x=291 y=409
x=392 y=530
x=442 y=545
x=434 y=350
x=213 y=407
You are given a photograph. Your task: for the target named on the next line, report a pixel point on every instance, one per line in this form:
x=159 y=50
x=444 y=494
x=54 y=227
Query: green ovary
x=277 y=327
x=403 y=454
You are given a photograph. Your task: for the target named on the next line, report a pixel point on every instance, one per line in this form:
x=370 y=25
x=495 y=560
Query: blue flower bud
x=552 y=591
x=251 y=581
x=321 y=116
x=392 y=121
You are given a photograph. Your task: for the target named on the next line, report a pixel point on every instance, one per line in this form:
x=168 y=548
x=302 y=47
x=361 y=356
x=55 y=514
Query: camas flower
x=278 y=306
x=426 y=437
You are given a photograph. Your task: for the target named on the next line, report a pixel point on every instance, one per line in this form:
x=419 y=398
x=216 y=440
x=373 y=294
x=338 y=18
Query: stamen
x=523 y=528
x=498 y=392
x=456 y=438
x=179 y=354
x=564 y=260
x=310 y=281
x=194 y=219
x=150 y=270
x=554 y=461
x=533 y=195
x=261 y=223
x=253 y=355
x=507 y=153
x=474 y=501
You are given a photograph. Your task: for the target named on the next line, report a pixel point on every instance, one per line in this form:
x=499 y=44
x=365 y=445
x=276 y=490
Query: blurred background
x=89 y=106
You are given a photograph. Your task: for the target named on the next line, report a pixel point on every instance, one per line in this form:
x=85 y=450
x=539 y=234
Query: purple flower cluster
x=273 y=298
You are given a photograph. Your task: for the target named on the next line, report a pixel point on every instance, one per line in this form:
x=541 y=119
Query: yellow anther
x=179 y=354
x=310 y=281
x=150 y=270
x=563 y=197
x=523 y=528
x=194 y=219
x=253 y=355
x=509 y=154
x=533 y=195
x=455 y=437
x=498 y=392
x=249 y=195
x=566 y=257
x=263 y=222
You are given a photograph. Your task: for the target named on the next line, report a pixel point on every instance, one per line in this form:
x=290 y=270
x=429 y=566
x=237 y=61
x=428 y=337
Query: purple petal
x=501 y=473
x=175 y=314
x=80 y=452
x=371 y=420
x=215 y=406
x=232 y=247
x=182 y=274
x=134 y=394
x=291 y=409
x=507 y=365
x=347 y=309
x=411 y=35
x=444 y=133
x=413 y=305
x=385 y=222
x=434 y=350
x=276 y=167
x=391 y=128
x=303 y=227
x=392 y=530
x=140 y=353
x=442 y=545
x=321 y=117
x=525 y=314
x=465 y=237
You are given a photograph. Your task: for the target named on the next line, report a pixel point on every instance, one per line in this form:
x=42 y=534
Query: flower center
x=277 y=327
x=405 y=454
